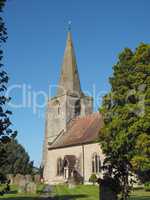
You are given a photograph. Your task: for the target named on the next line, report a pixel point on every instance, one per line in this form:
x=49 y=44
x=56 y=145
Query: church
x=71 y=146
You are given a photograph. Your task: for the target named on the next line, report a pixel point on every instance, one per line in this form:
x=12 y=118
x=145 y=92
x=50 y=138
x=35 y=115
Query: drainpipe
x=83 y=163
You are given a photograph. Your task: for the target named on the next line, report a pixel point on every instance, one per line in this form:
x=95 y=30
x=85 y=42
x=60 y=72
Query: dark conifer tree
x=17 y=160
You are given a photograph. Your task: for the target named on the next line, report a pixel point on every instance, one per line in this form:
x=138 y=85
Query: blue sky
x=34 y=51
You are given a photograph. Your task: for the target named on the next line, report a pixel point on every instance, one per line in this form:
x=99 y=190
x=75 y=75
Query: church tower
x=69 y=102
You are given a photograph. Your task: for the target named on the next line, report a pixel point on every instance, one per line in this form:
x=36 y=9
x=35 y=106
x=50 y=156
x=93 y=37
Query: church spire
x=69 y=78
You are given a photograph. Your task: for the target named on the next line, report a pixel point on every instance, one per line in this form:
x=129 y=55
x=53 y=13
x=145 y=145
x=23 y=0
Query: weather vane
x=69 y=25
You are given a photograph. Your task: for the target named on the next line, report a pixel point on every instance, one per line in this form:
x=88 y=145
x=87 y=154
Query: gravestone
x=10 y=177
x=28 y=178
x=105 y=191
x=37 y=178
x=22 y=186
x=75 y=179
x=31 y=188
x=47 y=192
x=18 y=179
x=47 y=189
x=72 y=182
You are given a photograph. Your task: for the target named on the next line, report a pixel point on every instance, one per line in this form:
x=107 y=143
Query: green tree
x=17 y=159
x=5 y=131
x=5 y=123
x=125 y=138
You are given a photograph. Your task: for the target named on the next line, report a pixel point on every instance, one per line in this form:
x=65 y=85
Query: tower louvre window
x=77 y=108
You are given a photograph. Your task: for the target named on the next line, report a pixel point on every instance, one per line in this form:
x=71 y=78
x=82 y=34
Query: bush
x=3 y=179
x=40 y=188
x=4 y=185
x=4 y=188
x=147 y=186
x=93 y=178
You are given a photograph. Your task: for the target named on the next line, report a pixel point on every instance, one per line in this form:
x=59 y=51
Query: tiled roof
x=80 y=130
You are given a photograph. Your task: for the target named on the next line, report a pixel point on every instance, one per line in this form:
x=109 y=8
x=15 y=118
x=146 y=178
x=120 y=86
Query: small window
x=57 y=106
x=59 y=167
x=58 y=109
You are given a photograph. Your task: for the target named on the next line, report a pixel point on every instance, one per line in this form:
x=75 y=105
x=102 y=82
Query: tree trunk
x=125 y=189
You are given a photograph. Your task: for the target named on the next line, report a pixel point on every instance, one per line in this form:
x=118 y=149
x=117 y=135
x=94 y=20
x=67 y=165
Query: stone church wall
x=60 y=110
x=89 y=150
x=50 y=172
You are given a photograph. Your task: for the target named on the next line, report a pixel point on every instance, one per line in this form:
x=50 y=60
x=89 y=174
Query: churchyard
x=61 y=192
x=87 y=155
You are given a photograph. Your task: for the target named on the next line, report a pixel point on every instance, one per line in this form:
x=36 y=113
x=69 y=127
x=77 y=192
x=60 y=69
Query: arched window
x=96 y=163
x=57 y=107
x=77 y=108
x=59 y=167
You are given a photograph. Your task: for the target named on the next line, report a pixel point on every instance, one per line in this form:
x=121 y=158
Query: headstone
x=47 y=192
x=106 y=192
x=10 y=177
x=47 y=189
x=18 y=179
x=31 y=188
x=71 y=182
x=28 y=178
x=37 y=178
x=22 y=186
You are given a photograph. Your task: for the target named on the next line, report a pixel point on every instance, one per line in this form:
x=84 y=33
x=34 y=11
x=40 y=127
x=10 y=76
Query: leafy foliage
x=125 y=138
x=93 y=178
x=5 y=131
x=17 y=160
x=147 y=186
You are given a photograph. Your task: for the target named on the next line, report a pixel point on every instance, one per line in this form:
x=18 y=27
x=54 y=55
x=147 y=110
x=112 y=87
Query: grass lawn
x=140 y=195
x=78 y=193
x=91 y=193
